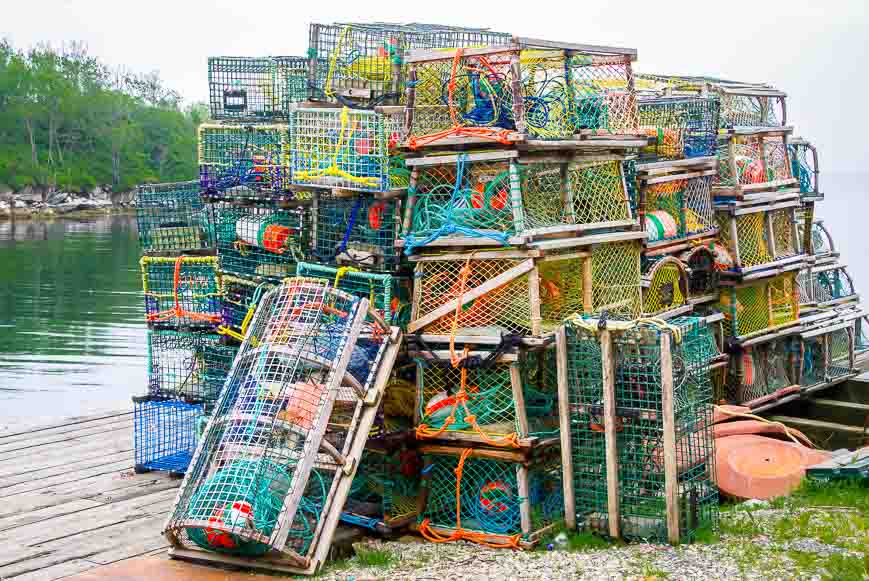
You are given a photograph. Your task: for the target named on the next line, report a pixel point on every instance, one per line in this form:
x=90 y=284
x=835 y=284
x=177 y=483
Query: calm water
x=72 y=333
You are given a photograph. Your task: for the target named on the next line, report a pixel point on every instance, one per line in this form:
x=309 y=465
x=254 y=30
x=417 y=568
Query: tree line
x=70 y=122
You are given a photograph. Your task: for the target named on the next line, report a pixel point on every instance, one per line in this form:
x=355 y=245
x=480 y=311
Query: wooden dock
x=70 y=502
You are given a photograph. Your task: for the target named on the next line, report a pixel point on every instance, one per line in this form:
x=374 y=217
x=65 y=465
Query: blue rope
x=353 y=214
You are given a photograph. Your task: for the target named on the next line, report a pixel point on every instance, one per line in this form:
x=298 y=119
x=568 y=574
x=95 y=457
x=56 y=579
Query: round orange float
x=750 y=466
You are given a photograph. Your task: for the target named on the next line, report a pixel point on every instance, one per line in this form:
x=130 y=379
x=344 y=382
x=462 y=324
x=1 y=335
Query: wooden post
x=734 y=238
x=517 y=89
x=518 y=400
x=534 y=298
x=770 y=234
x=610 y=437
x=411 y=97
x=398 y=60
x=525 y=496
x=587 y=285
x=671 y=467
x=564 y=424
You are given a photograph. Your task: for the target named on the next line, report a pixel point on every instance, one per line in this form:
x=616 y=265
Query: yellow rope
x=766 y=421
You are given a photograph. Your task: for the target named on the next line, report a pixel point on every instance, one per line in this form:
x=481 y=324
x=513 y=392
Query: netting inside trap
x=187 y=366
x=181 y=291
x=259 y=241
x=827 y=357
x=240 y=297
x=383 y=291
x=683 y=127
x=804 y=167
x=832 y=285
x=750 y=111
x=603 y=93
x=754 y=159
x=171 y=217
x=677 y=209
x=357 y=231
x=386 y=486
x=754 y=235
x=256 y=87
x=164 y=433
x=762 y=371
x=345 y=148
x=256 y=156
x=666 y=287
x=759 y=306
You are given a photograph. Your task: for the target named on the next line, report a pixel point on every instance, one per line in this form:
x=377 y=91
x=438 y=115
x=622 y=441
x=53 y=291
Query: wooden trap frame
x=256 y=88
x=665 y=288
x=764 y=375
x=754 y=164
x=704 y=274
x=804 y=159
x=828 y=350
x=826 y=284
x=756 y=310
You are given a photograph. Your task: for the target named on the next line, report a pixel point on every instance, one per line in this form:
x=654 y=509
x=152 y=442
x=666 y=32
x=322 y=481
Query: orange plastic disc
x=757 y=427
x=751 y=466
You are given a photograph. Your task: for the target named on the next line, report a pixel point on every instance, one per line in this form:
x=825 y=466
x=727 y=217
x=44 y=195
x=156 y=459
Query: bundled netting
x=763 y=373
x=240 y=298
x=385 y=490
x=832 y=285
x=763 y=236
x=703 y=275
x=172 y=218
x=257 y=241
x=164 y=433
x=682 y=127
x=495 y=296
x=751 y=110
x=255 y=156
x=761 y=161
x=344 y=148
x=495 y=501
x=804 y=161
x=357 y=231
x=827 y=355
x=367 y=61
x=756 y=307
x=677 y=209
x=183 y=291
x=187 y=366
x=388 y=295
x=641 y=376
x=289 y=420
x=603 y=94
x=260 y=88
x=665 y=286
x=487 y=398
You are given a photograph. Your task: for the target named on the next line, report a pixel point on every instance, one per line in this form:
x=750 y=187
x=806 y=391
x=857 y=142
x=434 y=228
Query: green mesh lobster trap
x=765 y=374
x=496 y=498
x=828 y=351
x=753 y=162
x=358 y=230
x=274 y=466
x=681 y=126
x=491 y=397
x=256 y=156
x=805 y=168
x=758 y=307
x=829 y=285
x=637 y=443
x=466 y=198
x=256 y=88
x=494 y=293
x=260 y=242
x=187 y=366
x=665 y=287
x=185 y=291
x=172 y=218
x=240 y=298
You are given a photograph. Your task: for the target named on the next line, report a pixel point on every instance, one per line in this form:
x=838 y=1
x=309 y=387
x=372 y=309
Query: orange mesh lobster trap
x=468 y=296
x=758 y=307
x=753 y=162
x=665 y=288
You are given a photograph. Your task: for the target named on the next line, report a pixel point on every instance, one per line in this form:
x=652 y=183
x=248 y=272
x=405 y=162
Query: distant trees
x=68 y=121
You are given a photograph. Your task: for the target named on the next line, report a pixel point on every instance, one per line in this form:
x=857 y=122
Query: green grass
x=577 y=541
x=841 y=493
x=373 y=557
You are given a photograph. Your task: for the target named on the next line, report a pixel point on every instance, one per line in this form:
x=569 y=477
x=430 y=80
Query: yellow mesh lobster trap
x=472 y=295
x=753 y=162
x=665 y=288
x=758 y=307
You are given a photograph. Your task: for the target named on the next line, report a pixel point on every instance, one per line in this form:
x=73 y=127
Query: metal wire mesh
x=762 y=305
x=240 y=297
x=547 y=94
x=827 y=357
x=754 y=159
x=358 y=231
x=763 y=371
x=259 y=88
x=261 y=476
x=171 y=217
x=183 y=291
x=678 y=208
x=259 y=241
x=804 y=161
x=187 y=366
x=750 y=110
x=255 y=156
x=666 y=287
x=164 y=433
x=385 y=489
x=604 y=98
x=683 y=127
x=832 y=285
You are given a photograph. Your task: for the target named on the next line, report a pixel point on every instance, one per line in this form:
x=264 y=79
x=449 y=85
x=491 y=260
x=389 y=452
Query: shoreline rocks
x=29 y=204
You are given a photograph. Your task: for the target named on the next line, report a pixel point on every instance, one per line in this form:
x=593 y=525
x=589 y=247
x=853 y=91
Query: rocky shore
x=34 y=204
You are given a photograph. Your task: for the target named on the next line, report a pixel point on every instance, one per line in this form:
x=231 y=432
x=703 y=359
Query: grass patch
x=845 y=568
x=706 y=535
x=373 y=557
x=841 y=493
x=577 y=541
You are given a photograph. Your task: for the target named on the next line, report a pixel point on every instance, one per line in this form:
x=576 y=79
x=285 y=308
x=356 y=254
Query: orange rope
x=510 y=541
x=177 y=311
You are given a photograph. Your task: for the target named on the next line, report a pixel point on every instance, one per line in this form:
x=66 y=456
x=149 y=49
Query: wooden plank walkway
x=70 y=502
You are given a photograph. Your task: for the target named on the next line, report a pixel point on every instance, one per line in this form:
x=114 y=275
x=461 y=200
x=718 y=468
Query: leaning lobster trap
x=500 y=398
x=753 y=163
x=828 y=352
x=259 y=242
x=665 y=287
x=760 y=238
x=470 y=198
x=273 y=468
x=240 y=298
x=636 y=428
x=181 y=292
x=486 y=294
x=357 y=230
x=164 y=433
x=759 y=307
x=256 y=88
x=499 y=498
x=681 y=127
x=765 y=374
x=254 y=156
x=804 y=159
x=171 y=218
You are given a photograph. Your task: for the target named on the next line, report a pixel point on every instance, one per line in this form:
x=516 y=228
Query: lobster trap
x=636 y=428
x=240 y=298
x=256 y=88
x=357 y=231
x=828 y=352
x=665 y=287
x=760 y=238
x=502 y=93
x=496 y=498
x=759 y=307
x=344 y=148
x=675 y=203
x=805 y=168
x=475 y=295
x=259 y=242
x=171 y=218
x=703 y=273
x=751 y=106
x=680 y=127
x=187 y=366
x=275 y=464
x=764 y=374
x=164 y=433
x=185 y=291
x=492 y=397
x=827 y=285
x=255 y=156
x=470 y=198
x=753 y=163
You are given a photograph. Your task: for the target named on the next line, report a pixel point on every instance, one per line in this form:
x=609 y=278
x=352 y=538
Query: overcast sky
x=816 y=50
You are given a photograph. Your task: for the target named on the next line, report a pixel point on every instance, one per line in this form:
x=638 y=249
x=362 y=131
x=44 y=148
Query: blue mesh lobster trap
x=164 y=433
